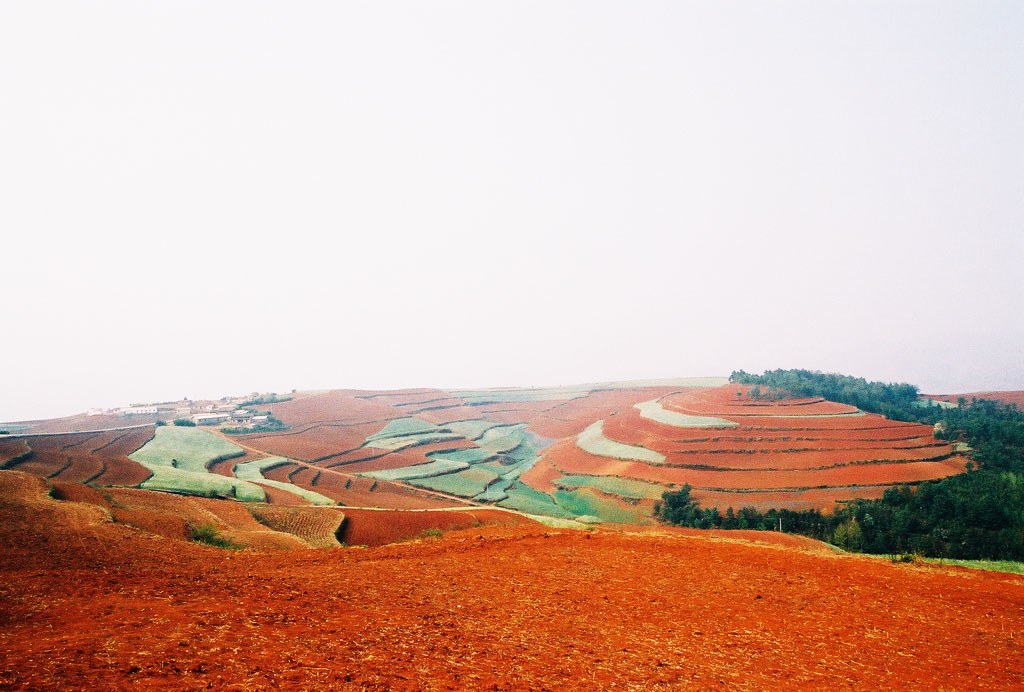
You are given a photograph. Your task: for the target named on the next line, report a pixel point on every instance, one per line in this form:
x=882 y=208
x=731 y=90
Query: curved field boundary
x=253 y=471
x=433 y=468
x=653 y=410
x=593 y=441
x=318 y=527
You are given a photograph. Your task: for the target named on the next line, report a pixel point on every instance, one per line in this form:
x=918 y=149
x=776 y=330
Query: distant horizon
x=137 y=401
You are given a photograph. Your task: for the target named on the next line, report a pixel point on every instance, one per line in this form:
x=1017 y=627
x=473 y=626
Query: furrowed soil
x=86 y=604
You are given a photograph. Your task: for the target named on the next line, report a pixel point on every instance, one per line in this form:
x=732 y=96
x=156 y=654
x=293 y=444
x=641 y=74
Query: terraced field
x=604 y=452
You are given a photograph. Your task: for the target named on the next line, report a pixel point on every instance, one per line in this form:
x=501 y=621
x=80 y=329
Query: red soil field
x=402 y=457
x=356 y=491
x=342 y=406
x=379 y=527
x=316 y=441
x=448 y=415
x=539 y=477
x=87 y=457
x=317 y=526
x=11 y=448
x=92 y=605
x=283 y=498
x=569 y=458
x=280 y=473
x=1008 y=397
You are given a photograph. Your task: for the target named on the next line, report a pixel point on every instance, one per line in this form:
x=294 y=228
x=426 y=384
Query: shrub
x=184 y=423
x=209 y=535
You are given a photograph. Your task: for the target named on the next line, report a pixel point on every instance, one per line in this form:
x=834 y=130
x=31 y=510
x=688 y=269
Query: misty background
x=201 y=199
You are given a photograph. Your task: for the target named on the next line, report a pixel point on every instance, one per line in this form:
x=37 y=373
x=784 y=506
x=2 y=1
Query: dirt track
x=90 y=605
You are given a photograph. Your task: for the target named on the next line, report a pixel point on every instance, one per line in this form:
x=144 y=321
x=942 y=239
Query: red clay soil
x=541 y=475
x=317 y=526
x=87 y=457
x=1007 y=397
x=379 y=527
x=11 y=448
x=315 y=442
x=356 y=491
x=822 y=499
x=91 y=605
x=283 y=498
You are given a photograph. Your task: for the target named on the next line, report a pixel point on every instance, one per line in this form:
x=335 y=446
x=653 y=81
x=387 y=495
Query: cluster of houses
x=206 y=414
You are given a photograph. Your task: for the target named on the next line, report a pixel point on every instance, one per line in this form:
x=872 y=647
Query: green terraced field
x=402 y=441
x=403 y=426
x=470 y=456
x=178 y=457
x=617 y=486
x=526 y=499
x=470 y=429
x=433 y=468
x=466 y=483
x=495 y=492
x=653 y=410
x=587 y=503
x=593 y=441
x=253 y=471
x=503 y=438
x=170 y=479
x=185 y=448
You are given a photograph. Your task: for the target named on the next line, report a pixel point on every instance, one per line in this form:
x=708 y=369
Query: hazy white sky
x=207 y=198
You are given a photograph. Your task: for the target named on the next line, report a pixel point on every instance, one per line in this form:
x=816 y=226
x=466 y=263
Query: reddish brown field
x=89 y=457
x=1010 y=397
x=317 y=526
x=372 y=527
x=356 y=491
x=314 y=441
x=91 y=605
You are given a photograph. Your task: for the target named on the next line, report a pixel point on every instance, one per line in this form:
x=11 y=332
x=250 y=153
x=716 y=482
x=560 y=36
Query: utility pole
x=780 y=524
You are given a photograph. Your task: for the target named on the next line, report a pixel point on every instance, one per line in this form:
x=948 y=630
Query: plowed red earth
x=378 y=527
x=91 y=605
x=96 y=457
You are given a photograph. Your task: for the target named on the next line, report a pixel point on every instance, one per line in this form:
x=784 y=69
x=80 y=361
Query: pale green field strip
x=526 y=499
x=616 y=486
x=466 y=483
x=585 y=503
x=185 y=448
x=403 y=426
x=653 y=410
x=470 y=429
x=470 y=456
x=170 y=479
x=253 y=471
x=593 y=441
x=495 y=492
x=925 y=403
x=433 y=468
x=394 y=443
x=177 y=458
x=503 y=438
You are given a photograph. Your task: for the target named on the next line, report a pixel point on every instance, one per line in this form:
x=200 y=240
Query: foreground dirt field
x=86 y=604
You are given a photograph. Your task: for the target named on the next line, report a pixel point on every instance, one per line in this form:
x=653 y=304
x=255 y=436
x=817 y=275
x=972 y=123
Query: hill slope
x=88 y=604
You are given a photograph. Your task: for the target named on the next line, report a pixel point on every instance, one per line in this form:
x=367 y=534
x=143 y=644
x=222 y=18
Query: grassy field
x=434 y=468
x=253 y=471
x=403 y=426
x=178 y=457
x=617 y=486
x=503 y=438
x=593 y=441
x=470 y=429
x=586 y=503
x=465 y=483
x=526 y=499
x=469 y=456
x=185 y=448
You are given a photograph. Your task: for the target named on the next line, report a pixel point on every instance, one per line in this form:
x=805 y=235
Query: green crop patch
x=470 y=456
x=593 y=441
x=526 y=499
x=188 y=449
x=585 y=502
x=170 y=479
x=465 y=483
x=253 y=471
x=616 y=486
x=503 y=438
x=433 y=468
x=403 y=426
x=470 y=429
x=495 y=492
x=653 y=410
x=178 y=458
x=413 y=440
